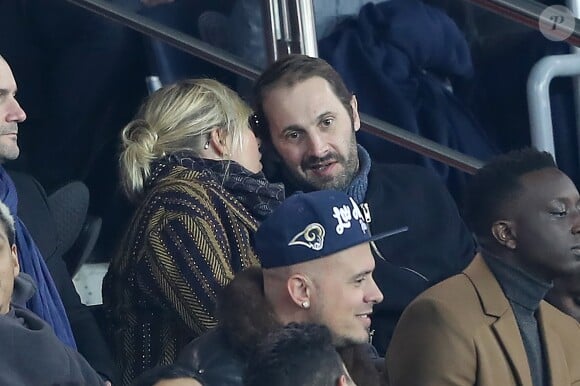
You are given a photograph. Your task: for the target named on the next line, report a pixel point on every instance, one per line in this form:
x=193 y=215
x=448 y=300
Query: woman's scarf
x=253 y=190
x=46 y=302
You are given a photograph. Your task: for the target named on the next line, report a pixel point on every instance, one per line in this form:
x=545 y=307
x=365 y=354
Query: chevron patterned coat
x=185 y=242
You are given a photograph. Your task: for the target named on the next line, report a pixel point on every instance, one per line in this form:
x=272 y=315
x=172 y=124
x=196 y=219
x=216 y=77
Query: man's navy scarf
x=46 y=302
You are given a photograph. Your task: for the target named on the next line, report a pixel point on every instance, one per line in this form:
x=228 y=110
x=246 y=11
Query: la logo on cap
x=312 y=237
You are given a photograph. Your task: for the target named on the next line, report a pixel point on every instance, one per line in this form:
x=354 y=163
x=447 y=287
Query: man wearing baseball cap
x=317 y=267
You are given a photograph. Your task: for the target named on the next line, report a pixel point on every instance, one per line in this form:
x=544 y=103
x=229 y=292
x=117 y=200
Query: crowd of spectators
x=267 y=246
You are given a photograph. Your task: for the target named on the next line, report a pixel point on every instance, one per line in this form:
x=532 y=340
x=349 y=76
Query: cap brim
x=389 y=233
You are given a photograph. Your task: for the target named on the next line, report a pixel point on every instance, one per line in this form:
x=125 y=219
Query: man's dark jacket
x=246 y=318
x=436 y=246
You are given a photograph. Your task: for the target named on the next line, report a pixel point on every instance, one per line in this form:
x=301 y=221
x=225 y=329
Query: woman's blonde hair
x=175 y=118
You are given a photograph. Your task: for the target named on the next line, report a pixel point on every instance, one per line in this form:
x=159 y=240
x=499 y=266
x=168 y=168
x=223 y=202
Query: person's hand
x=153 y=3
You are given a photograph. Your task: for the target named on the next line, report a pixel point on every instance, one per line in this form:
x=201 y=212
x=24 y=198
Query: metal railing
x=169 y=35
x=538 y=89
x=230 y=62
x=289 y=28
x=526 y=12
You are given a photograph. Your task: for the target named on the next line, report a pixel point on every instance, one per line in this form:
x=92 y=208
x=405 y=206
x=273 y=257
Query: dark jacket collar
x=519 y=286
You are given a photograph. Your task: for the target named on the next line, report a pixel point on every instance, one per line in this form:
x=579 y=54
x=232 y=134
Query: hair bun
x=139 y=147
x=139 y=133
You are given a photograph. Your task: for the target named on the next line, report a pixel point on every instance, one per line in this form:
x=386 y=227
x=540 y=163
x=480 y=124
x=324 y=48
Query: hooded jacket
x=31 y=353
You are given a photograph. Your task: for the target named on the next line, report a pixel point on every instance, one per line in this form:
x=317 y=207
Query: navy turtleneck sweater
x=524 y=292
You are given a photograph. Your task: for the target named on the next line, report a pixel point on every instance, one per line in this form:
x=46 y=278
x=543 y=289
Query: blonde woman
x=192 y=163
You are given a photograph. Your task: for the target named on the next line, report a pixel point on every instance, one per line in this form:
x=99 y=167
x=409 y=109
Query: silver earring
x=206 y=146
x=305 y=304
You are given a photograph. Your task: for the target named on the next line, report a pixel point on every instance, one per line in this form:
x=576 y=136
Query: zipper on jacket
x=367 y=214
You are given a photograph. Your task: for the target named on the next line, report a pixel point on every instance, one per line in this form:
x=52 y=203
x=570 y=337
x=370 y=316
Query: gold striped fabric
x=185 y=242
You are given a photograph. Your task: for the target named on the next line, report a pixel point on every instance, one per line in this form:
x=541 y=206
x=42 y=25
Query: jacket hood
x=24 y=289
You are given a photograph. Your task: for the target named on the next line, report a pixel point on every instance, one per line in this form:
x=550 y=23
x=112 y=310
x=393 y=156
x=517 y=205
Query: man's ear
x=14 y=256
x=299 y=290
x=343 y=380
x=504 y=232
x=355 y=115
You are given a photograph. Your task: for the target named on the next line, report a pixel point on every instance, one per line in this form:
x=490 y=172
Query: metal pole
x=270 y=23
x=538 y=88
x=574 y=6
x=285 y=43
x=306 y=27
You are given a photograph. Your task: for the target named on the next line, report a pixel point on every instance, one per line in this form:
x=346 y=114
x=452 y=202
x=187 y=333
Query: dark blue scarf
x=46 y=302
x=359 y=184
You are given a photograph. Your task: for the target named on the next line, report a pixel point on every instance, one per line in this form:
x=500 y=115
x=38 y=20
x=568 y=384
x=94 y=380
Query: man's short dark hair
x=156 y=374
x=497 y=183
x=298 y=354
x=291 y=70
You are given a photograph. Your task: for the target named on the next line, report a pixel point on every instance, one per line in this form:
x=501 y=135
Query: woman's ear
x=504 y=232
x=218 y=142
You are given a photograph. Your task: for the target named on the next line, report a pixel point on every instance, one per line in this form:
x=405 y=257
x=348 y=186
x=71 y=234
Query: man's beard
x=9 y=151
x=9 y=128
x=340 y=181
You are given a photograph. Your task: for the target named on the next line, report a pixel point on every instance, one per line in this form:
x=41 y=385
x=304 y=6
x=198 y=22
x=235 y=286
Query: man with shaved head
x=317 y=267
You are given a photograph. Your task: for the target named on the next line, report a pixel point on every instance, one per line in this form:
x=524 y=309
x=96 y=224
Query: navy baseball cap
x=308 y=226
